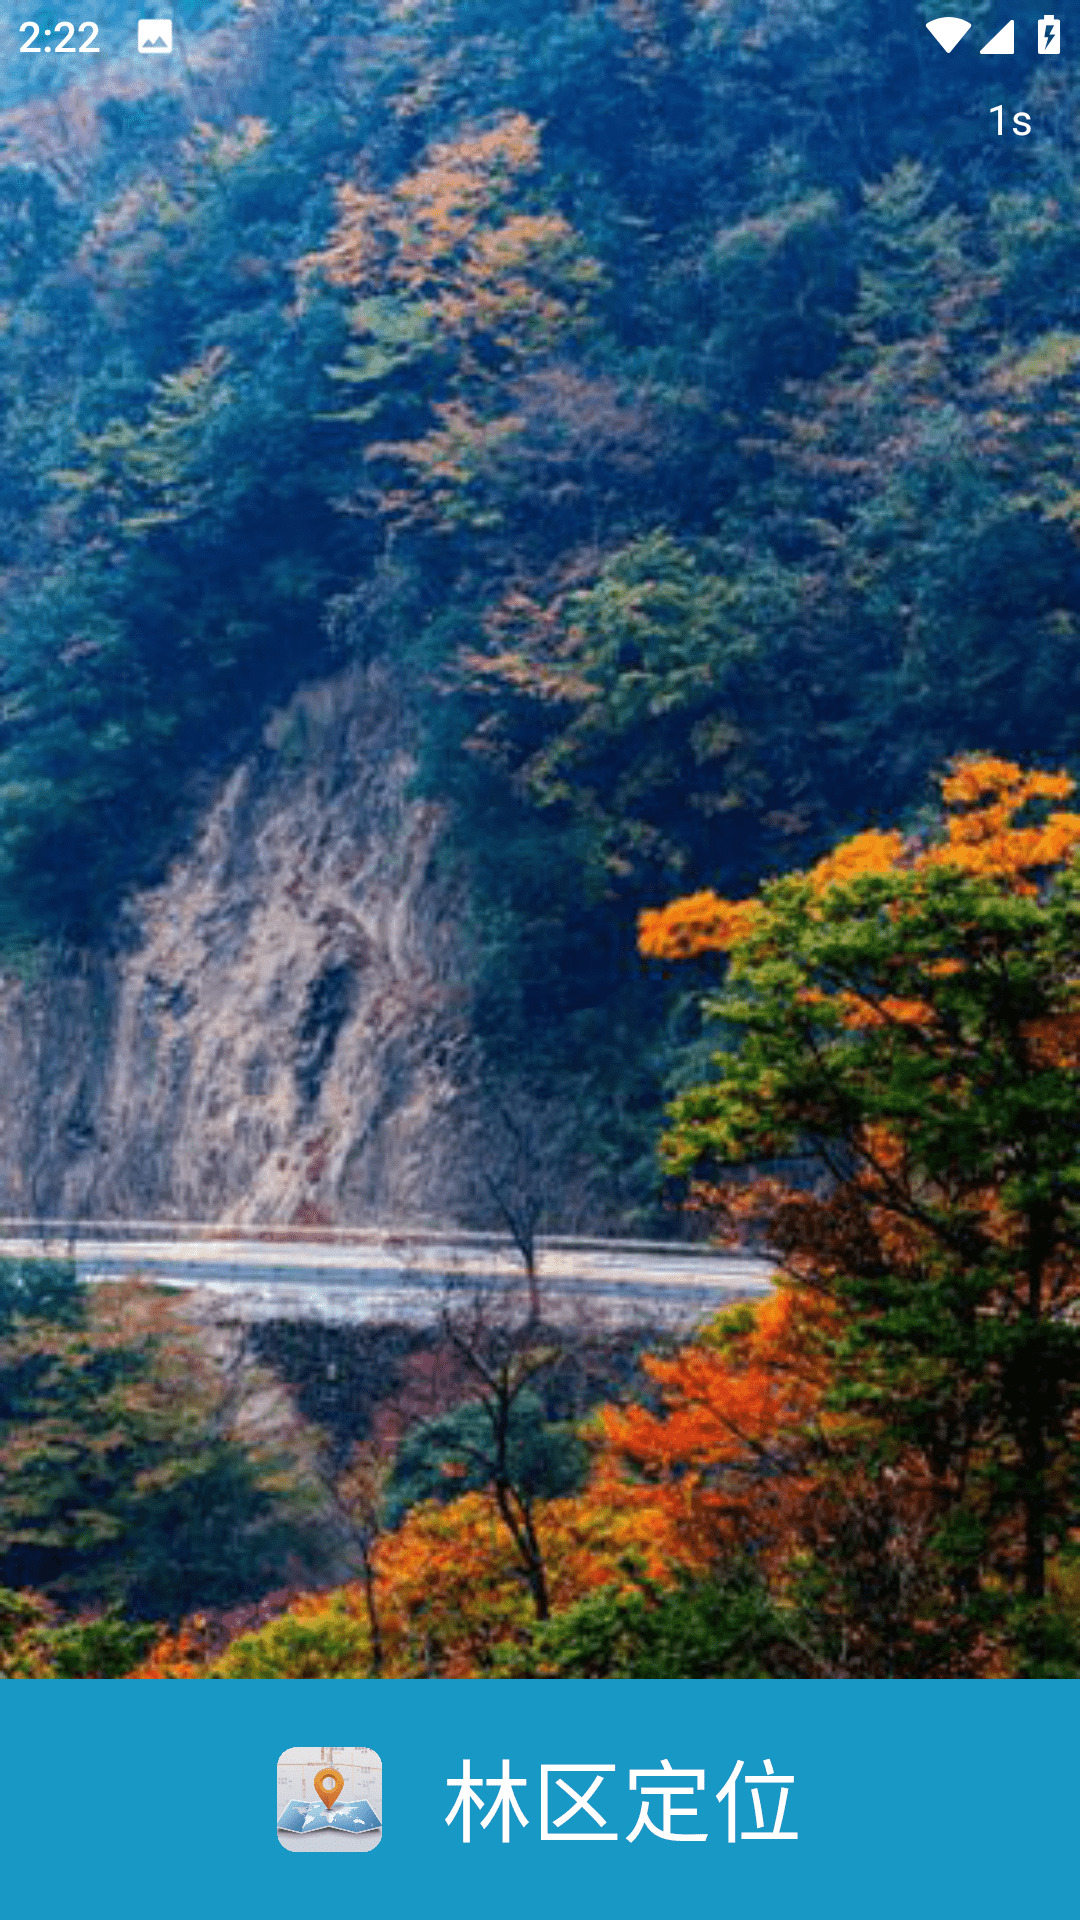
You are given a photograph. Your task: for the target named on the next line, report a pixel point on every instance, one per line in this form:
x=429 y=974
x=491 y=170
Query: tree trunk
x=372 y=1613
x=533 y=1279
x=524 y=1537
x=1033 y=1442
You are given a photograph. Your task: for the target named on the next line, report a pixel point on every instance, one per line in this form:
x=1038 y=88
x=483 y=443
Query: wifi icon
x=948 y=32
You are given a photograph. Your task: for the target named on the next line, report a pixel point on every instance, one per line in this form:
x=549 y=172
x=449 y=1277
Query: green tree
x=37 y=1644
x=901 y=1022
x=467 y=1451
x=695 y=1630
x=37 y=1288
x=130 y=1472
x=329 y=1644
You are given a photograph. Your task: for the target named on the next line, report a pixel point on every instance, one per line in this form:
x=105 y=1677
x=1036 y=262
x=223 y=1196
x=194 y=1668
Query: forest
x=679 y=399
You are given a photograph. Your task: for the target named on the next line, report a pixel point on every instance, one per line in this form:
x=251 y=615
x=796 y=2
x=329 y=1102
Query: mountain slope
x=282 y=1033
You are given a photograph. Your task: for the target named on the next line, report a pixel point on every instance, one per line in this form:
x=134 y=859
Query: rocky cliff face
x=284 y=1037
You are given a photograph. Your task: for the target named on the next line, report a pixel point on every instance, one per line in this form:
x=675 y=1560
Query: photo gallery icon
x=329 y=1799
x=155 y=36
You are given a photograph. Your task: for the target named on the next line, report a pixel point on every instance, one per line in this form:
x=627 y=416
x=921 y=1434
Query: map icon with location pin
x=329 y=1799
x=328 y=1783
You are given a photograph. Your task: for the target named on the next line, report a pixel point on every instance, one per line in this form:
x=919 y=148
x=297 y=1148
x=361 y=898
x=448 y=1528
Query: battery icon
x=1049 y=34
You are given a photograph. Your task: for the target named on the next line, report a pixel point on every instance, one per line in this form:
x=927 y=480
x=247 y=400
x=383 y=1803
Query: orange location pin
x=328 y=1783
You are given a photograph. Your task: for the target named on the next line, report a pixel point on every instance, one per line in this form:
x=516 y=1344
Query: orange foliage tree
x=451 y=1595
x=895 y=1110
x=460 y=283
x=728 y=1459
x=890 y=1439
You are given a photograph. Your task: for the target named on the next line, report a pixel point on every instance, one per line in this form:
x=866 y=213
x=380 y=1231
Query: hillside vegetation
x=680 y=397
x=672 y=406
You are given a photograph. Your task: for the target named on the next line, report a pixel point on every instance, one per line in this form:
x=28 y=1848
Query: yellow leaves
x=862 y=1012
x=1016 y=852
x=459 y=286
x=449 y=1586
x=446 y=461
x=447 y=236
x=985 y=782
x=699 y=923
x=357 y=243
x=725 y=1461
x=222 y=150
x=985 y=799
x=542 y=680
x=465 y=176
x=1053 y=356
x=449 y=1595
x=865 y=853
x=704 y=923
x=449 y=1589
x=891 y=1010
x=441 y=217
x=503 y=258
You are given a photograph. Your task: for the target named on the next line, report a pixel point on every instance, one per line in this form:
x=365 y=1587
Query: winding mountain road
x=401 y=1275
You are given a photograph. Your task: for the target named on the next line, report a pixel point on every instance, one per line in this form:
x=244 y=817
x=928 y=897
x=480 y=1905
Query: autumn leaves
x=459 y=286
x=884 y=1451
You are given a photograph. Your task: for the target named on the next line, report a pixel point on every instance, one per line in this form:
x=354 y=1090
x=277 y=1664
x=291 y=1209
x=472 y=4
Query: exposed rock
x=285 y=1036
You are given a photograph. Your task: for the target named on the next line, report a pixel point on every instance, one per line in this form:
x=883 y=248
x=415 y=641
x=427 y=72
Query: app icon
x=155 y=36
x=329 y=1799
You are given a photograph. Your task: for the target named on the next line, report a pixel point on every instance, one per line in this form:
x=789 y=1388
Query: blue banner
x=542 y=1798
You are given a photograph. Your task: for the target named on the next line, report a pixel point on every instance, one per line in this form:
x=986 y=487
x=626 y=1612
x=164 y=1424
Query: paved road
x=396 y=1277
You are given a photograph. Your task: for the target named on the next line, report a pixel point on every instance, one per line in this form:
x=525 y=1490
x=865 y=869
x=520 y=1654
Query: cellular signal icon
x=948 y=32
x=1049 y=34
x=1003 y=42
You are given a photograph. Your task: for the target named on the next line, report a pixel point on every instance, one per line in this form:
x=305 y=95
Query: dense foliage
x=135 y=1467
x=680 y=398
x=439 y=1459
x=874 y=1471
x=680 y=393
x=901 y=1028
